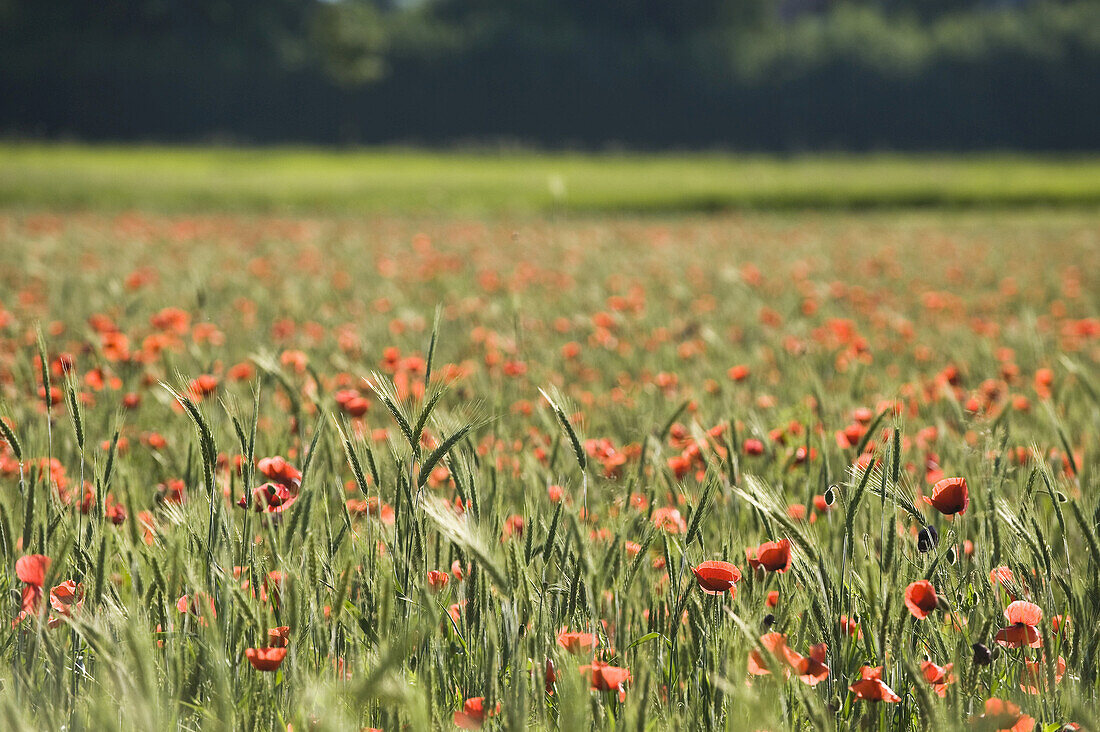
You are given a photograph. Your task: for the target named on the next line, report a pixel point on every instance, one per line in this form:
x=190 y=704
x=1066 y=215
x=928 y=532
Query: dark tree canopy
x=753 y=74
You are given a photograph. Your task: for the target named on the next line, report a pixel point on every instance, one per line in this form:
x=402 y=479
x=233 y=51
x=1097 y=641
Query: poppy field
x=742 y=472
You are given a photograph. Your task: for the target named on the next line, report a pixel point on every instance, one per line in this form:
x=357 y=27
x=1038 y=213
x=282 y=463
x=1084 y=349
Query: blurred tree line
x=747 y=74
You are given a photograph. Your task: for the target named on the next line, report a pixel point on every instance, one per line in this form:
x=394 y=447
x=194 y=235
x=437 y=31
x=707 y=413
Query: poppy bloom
x=871 y=687
x=1001 y=576
x=754 y=447
x=67 y=597
x=32 y=569
x=513 y=526
x=776 y=645
x=1034 y=675
x=812 y=669
x=1022 y=618
x=473 y=713
x=437 y=580
x=203 y=385
x=938 y=676
x=824 y=503
x=950 y=496
x=278 y=637
x=352 y=402
x=920 y=598
x=265 y=659
x=607 y=678
x=271 y=498
x=193 y=605
x=850 y=626
x=576 y=642
x=738 y=373
x=669 y=520
x=277 y=469
x=717 y=577
x=1060 y=624
x=774 y=556
x=1003 y=715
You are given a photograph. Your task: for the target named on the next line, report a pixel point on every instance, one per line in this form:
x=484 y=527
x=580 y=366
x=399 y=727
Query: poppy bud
x=982 y=655
x=927 y=539
x=952 y=555
x=830 y=496
x=768 y=621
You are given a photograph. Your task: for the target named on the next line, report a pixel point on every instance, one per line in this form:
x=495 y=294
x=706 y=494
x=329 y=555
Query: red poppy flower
x=437 y=580
x=203 y=385
x=871 y=687
x=738 y=373
x=607 y=678
x=1034 y=675
x=193 y=605
x=1021 y=631
x=577 y=642
x=277 y=469
x=938 y=676
x=352 y=402
x=850 y=626
x=31 y=596
x=66 y=597
x=717 y=577
x=513 y=526
x=278 y=637
x=1023 y=612
x=950 y=496
x=265 y=659
x=1060 y=624
x=812 y=669
x=776 y=645
x=271 y=498
x=1001 y=576
x=920 y=598
x=1003 y=716
x=32 y=569
x=774 y=556
x=669 y=520
x=773 y=598
x=473 y=713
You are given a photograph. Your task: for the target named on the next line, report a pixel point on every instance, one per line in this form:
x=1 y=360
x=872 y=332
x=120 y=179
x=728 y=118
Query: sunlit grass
x=409 y=181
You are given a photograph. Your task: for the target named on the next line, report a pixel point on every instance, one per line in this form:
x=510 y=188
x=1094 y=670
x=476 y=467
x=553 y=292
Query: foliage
x=422 y=523
x=761 y=74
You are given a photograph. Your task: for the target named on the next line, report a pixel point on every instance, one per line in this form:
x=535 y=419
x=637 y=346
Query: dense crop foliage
x=734 y=473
